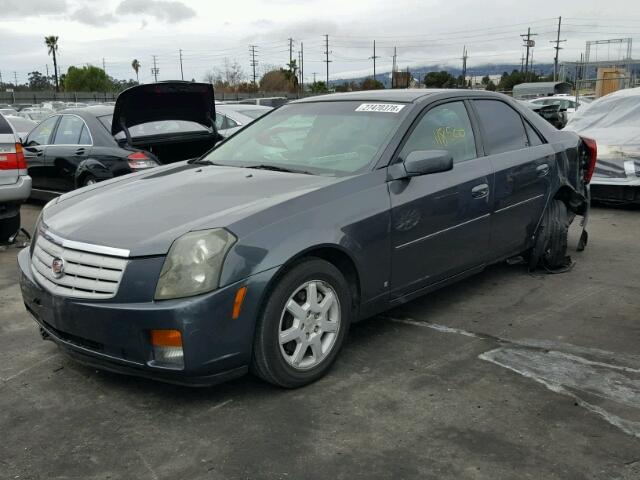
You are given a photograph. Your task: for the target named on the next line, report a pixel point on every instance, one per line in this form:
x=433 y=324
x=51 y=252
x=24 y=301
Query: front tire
x=9 y=227
x=303 y=325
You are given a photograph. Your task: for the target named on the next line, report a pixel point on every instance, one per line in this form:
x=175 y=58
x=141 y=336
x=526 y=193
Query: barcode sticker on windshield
x=380 y=107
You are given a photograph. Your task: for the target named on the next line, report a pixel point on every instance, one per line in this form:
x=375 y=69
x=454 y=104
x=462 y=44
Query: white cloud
x=170 y=11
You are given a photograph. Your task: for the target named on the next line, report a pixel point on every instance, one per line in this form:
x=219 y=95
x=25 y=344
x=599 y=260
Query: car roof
x=387 y=95
x=93 y=110
x=239 y=107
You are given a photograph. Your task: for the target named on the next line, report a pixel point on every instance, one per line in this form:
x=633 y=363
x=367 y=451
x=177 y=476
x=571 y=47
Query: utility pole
x=15 y=77
x=299 y=73
x=290 y=51
x=181 y=71
x=327 y=52
x=522 y=63
x=155 y=70
x=314 y=77
x=557 y=48
x=526 y=38
x=395 y=55
x=302 y=66
x=47 y=67
x=104 y=67
x=374 y=60
x=464 y=66
x=254 y=63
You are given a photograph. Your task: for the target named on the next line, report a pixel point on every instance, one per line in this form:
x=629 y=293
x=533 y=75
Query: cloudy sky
x=425 y=32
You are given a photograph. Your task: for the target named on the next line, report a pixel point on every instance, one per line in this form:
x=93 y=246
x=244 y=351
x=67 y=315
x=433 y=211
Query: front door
x=440 y=222
x=523 y=166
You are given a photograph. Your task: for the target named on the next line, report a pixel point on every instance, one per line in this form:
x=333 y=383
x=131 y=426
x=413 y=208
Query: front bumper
x=113 y=335
x=16 y=192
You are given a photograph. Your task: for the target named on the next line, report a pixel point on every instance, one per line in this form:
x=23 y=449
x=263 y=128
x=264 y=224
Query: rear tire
x=298 y=338
x=88 y=180
x=9 y=227
x=550 y=250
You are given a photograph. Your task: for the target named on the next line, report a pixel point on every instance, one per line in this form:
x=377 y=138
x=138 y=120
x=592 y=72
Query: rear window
x=21 y=124
x=163 y=127
x=4 y=126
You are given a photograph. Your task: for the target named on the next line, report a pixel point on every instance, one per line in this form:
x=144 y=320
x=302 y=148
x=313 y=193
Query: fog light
x=167 y=348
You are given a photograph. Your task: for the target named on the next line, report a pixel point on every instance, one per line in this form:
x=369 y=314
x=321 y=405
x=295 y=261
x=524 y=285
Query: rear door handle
x=480 y=191
x=80 y=151
x=542 y=170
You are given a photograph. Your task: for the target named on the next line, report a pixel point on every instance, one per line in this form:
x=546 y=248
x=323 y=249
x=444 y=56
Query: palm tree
x=52 y=47
x=136 y=66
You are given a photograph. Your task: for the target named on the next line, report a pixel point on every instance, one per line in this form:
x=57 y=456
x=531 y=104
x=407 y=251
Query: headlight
x=194 y=263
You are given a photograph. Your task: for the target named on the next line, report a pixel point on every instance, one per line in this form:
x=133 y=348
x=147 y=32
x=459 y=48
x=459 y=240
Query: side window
x=69 y=130
x=534 y=138
x=502 y=125
x=40 y=135
x=445 y=127
x=231 y=123
x=85 y=137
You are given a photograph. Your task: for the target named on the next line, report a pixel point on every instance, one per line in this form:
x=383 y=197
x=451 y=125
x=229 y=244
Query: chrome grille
x=85 y=275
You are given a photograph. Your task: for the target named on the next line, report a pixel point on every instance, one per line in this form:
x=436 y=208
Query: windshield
x=155 y=128
x=331 y=138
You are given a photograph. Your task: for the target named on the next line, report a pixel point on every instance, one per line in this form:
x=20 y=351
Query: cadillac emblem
x=57 y=267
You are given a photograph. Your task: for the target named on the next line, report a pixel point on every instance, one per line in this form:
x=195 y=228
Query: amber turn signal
x=166 y=338
x=237 y=303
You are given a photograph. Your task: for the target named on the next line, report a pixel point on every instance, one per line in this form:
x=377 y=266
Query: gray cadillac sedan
x=260 y=254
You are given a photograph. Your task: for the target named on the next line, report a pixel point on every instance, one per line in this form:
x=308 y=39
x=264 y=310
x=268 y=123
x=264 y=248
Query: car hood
x=145 y=212
x=189 y=101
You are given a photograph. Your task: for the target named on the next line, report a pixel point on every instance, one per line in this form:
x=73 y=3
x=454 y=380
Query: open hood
x=174 y=100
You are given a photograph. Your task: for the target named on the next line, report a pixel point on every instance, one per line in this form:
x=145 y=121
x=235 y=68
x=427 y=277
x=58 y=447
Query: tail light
x=140 y=160
x=592 y=156
x=12 y=157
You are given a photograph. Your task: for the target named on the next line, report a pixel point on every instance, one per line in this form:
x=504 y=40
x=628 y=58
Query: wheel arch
x=332 y=253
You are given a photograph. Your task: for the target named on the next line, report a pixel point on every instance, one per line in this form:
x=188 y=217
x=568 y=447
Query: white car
x=15 y=184
x=232 y=117
x=613 y=121
x=21 y=125
x=567 y=102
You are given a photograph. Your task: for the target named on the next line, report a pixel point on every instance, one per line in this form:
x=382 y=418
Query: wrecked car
x=260 y=254
x=614 y=122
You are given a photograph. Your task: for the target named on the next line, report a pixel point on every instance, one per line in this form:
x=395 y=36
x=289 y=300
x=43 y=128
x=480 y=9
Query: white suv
x=15 y=184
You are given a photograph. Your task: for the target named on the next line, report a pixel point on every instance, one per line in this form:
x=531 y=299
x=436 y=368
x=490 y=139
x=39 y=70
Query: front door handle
x=480 y=191
x=542 y=170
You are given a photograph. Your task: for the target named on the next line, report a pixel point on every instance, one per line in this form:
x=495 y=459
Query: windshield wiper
x=201 y=161
x=274 y=168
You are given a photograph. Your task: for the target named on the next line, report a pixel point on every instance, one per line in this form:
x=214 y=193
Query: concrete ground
x=505 y=375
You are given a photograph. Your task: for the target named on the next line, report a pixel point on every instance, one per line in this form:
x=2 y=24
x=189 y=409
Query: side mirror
x=423 y=162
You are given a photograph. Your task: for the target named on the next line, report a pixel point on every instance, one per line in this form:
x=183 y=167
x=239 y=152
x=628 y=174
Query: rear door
x=71 y=145
x=523 y=164
x=35 y=146
x=440 y=222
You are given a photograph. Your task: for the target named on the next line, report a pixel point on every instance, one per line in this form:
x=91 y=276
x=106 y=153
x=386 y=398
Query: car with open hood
x=328 y=210
x=614 y=122
x=150 y=125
